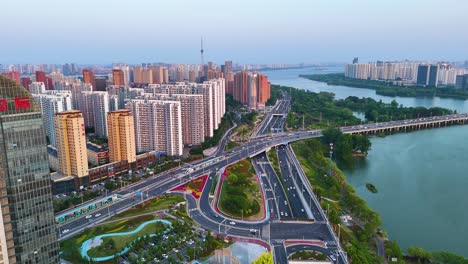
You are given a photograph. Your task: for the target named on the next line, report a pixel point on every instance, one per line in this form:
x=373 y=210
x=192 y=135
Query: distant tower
x=355 y=60
x=201 y=52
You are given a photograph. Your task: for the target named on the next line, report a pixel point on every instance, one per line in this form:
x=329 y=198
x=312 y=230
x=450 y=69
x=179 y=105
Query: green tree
x=423 y=255
x=331 y=135
x=264 y=258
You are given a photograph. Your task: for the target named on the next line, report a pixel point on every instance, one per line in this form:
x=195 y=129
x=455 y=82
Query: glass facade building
x=27 y=230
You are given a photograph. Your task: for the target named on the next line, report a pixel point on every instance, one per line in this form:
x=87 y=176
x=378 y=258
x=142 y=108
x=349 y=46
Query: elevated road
x=163 y=182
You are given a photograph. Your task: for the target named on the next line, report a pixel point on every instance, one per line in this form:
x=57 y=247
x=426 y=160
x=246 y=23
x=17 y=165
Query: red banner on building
x=3 y=105
x=22 y=103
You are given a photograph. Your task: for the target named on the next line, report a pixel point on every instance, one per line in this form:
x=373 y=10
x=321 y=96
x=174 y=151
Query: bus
x=77 y=212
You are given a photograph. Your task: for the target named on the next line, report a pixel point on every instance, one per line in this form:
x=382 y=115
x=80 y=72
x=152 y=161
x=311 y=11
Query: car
x=143 y=259
x=253 y=231
x=282 y=214
x=66 y=231
x=232 y=223
x=151 y=243
x=302 y=210
x=285 y=214
x=165 y=256
x=285 y=202
x=89 y=216
x=190 y=242
x=57 y=196
x=97 y=215
x=332 y=257
x=156 y=260
x=175 y=250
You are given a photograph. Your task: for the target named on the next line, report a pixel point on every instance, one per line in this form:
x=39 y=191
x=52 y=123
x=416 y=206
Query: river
x=421 y=176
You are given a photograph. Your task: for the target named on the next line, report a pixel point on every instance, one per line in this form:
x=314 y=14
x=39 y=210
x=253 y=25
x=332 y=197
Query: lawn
x=113 y=245
x=70 y=246
x=240 y=192
x=158 y=203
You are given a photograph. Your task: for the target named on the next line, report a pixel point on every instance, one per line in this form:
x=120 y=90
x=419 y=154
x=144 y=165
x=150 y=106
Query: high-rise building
x=252 y=91
x=95 y=106
x=53 y=102
x=27 y=228
x=88 y=77
x=41 y=77
x=158 y=126
x=71 y=144
x=118 y=77
x=25 y=81
x=427 y=75
x=13 y=75
x=263 y=86
x=121 y=132
x=37 y=88
x=461 y=82
x=240 y=87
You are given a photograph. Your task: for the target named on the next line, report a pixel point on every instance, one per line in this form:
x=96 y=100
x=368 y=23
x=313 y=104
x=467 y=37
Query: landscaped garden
x=240 y=195
x=195 y=187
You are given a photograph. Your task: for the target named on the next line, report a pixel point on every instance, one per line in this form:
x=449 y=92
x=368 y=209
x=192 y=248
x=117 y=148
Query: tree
x=265 y=258
x=423 y=255
x=331 y=135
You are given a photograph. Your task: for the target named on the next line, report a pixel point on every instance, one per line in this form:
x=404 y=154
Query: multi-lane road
x=206 y=217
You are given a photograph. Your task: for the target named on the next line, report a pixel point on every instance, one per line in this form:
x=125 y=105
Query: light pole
x=331 y=156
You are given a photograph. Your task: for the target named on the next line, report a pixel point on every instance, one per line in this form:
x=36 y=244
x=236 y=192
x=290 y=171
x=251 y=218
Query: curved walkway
x=87 y=245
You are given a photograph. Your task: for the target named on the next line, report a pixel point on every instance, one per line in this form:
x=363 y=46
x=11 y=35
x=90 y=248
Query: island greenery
x=371 y=187
x=387 y=88
x=240 y=194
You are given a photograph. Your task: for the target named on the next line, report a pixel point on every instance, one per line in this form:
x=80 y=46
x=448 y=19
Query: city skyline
x=258 y=32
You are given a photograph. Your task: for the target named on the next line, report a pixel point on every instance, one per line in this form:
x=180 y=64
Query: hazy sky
x=266 y=31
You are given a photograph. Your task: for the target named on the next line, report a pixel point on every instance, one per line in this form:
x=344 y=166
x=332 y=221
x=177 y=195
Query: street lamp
x=331 y=156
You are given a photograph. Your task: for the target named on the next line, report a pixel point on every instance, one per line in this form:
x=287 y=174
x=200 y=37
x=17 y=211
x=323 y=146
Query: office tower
x=157 y=126
x=118 y=77
x=121 y=132
x=27 y=228
x=95 y=106
x=53 y=102
x=25 y=82
x=434 y=75
x=49 y=84
x=37 y=88
x=71 y=144
x=427 y=75
x=240 y=86
x=88 y=77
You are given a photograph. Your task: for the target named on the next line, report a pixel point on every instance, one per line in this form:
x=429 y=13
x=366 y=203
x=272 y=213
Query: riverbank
x=386 y=88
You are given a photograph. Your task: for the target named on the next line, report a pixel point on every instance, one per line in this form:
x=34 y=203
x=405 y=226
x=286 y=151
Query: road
x=160 y=183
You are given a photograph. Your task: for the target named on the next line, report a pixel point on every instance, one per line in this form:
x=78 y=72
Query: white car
x=89 y=216
x=66 y=231
x=285 y=214
x=232 y=223
x=332 y=257
x=97 y=215
x=165 y=256
x=282 y=214
x=175 y=250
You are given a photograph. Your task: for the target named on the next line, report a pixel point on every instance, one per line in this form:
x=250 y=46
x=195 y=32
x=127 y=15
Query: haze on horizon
x=265 y=31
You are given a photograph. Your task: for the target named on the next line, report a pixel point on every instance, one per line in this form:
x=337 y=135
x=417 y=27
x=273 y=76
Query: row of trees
x=345 y=145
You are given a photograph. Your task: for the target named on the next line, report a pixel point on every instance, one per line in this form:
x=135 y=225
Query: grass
x=250 y=190
x=230 y=145
x=308 y=255
x=70 y=246
x=123 y=241
x=158 y=203
x=273 y=158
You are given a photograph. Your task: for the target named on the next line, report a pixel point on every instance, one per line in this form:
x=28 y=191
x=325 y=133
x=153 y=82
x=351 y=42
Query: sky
x=262 y=31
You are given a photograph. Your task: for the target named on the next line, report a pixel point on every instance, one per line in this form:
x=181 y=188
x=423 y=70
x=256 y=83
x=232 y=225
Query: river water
x=421 y=177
